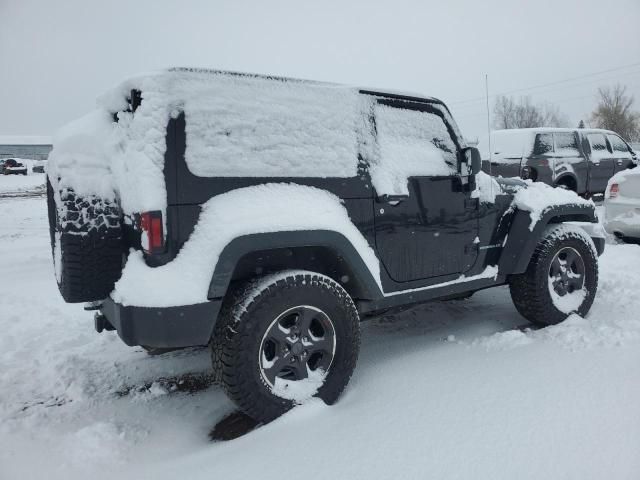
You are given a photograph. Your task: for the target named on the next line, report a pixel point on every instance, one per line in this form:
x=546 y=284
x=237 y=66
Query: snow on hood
x=486 y=188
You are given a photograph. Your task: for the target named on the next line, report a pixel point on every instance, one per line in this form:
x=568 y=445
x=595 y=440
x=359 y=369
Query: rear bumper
x=623 y=217
x=168 y=327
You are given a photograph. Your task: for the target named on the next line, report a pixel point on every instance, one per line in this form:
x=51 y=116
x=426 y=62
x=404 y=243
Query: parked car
x=270 y=216
x=12 y=167
x=581 y=160
x=622 y=206
x=38 y=166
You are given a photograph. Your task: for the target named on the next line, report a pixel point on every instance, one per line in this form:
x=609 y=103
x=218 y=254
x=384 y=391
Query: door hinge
x=471 y=203
x=471 y=248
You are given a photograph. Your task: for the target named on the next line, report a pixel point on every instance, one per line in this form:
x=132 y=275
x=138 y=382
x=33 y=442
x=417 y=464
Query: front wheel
x=561 y=279
x=284 y=338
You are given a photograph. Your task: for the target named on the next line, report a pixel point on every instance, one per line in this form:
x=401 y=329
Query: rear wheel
x=567 y=183
x=285 y=338
x=561 y=279
x=86 y=242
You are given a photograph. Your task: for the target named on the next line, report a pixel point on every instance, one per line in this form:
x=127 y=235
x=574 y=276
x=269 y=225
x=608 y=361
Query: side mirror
x=471 y=162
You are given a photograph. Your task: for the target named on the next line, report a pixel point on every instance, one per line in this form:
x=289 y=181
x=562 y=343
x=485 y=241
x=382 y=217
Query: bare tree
x=614 y=112
x=511 y=113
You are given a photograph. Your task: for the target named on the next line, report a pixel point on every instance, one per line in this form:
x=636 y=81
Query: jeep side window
x=619 y=147
x=566 y=144
x=419 y=140
x=543 y=144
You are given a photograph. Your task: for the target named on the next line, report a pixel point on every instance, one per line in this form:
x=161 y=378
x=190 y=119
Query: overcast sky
x=57 y=56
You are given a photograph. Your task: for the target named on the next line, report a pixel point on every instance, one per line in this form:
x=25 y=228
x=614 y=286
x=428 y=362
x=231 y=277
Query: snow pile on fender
x=257 y=209
x=536 y=198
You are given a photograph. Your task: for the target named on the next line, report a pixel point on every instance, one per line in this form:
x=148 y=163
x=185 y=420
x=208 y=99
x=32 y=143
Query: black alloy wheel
x=299 y=341
x=567 y=271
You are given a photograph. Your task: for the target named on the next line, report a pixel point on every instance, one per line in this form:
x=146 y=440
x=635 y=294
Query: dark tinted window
x=543 y=144
x=566 y=143
x=617 y=144
x=597 y=142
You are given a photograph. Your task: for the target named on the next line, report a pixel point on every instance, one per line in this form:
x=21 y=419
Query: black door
x=601 y=163
x=621 y=153
x=426 y=222
x=505 y=167
x=569 y=161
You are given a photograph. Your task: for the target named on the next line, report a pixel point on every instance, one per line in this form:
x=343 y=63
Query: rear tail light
x=614 y=190
x=526 y=172
x=152 y=238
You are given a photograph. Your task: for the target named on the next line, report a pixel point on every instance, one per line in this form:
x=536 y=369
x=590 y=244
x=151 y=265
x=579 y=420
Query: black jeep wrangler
x=266 y=217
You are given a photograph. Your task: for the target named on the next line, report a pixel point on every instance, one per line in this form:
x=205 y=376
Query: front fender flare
x=335 y=241
x=521 y=241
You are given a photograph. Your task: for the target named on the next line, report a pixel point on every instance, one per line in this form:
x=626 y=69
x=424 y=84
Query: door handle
x=596 y=163
x=392 y=200
x=619 y=162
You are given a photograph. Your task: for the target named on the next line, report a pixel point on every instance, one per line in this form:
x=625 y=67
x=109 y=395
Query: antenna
x=486 y=89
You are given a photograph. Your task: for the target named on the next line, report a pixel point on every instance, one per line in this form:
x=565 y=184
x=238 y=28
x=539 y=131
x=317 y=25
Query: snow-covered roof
x=554 y=130
x=25 y=140
x=204 y=76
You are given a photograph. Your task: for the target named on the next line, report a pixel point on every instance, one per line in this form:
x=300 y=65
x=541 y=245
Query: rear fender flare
x=336 y=242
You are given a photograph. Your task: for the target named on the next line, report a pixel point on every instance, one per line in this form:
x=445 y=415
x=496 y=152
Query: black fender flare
x=332 y=240
x=521 y=242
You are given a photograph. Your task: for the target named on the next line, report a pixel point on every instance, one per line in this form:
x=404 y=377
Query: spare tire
x=86 y=244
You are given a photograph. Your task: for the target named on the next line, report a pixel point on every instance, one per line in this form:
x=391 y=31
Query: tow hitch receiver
x=101 y=323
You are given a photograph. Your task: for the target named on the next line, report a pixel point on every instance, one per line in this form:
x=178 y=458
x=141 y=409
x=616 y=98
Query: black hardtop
x=410 y=97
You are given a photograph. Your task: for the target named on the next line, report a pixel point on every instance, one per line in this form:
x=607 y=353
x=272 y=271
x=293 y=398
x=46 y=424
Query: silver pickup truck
x=582 y=160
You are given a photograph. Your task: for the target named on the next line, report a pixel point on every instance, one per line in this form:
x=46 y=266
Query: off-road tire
x=88 y=234
x=244 y=318
x=530 y=290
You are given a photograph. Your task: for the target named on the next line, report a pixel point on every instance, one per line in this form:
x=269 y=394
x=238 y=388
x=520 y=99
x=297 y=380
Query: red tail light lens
x=152 y=235
x=614 y=190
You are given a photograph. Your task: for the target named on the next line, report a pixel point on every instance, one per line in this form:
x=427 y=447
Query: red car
x=11 y=166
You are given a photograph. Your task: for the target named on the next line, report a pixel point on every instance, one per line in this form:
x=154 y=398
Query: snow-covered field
x=452 y=390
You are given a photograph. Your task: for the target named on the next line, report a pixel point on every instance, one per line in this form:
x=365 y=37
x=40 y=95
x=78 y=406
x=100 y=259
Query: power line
x=564 y=100
x=471 y=105
x=533 y=87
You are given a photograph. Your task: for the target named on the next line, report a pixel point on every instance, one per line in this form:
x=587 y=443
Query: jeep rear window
x=248 y=127
x=566 y=144
x=543 y=144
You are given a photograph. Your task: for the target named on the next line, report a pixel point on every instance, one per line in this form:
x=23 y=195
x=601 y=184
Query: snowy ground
x=452 y=390
x=19 y=185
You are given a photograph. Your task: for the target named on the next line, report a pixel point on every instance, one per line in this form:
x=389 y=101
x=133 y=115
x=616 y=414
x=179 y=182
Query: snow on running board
x=490 y=272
